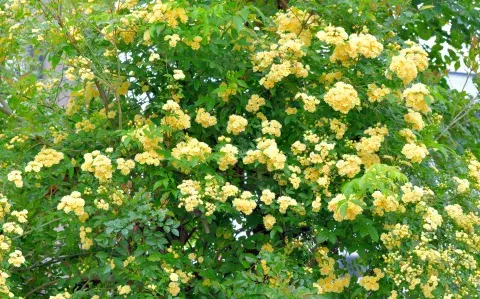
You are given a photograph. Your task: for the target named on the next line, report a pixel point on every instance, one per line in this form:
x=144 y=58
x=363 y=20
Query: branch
x=203 y=220
x=5 y=108
x=41 y=287
x=104 y=98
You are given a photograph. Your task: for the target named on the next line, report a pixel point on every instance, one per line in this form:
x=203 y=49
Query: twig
x=41 y=287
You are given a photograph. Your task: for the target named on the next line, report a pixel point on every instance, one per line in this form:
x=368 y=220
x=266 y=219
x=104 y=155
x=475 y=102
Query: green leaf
x=373 y=233
x=155 y=257
x=238 y=21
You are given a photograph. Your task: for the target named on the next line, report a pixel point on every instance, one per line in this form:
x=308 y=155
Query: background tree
x=237 y=149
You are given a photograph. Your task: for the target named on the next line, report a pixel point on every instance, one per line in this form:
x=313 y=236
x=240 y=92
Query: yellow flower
x=415 y=98
x=415 y=119
x=124 y=290
x=349 y=166
x=285 y=202
x=254 y=103
x=174 y=277
x=267 y=197
x=404 y=68
x=178 y=75
x=175 y=118
x=377 y=94
x=351 y=212
x=245 y=203
x=229 y=157
x=271 y=127
x=15 y=176
x=16 y=258
x=332 y=35
x=342 y=97
x=125 y=166
x=415 y=153
x=269 y=221
x=172 y=39
x=173 y=288
x=99 y=164
x=205 y=119
x=236 y=124
x=72 y=203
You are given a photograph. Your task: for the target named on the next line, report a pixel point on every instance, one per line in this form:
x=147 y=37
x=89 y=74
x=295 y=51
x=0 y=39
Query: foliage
x=237 y=149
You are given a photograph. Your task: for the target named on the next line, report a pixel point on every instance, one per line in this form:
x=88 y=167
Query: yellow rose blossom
x=415 y=152
x=16 y=258
x=269 y=221
x=245 y=203
x=376 y=93
x=351 y=212
x=236 y=124
x=267 y=197
x=332 y=35
x=415 y=98
x=415 y=119
x=15 y=176
x=175 y=117
x=124 y=290
x=72 y=203
x=285 y=202
x=125 y=166
x=271 y=127
x=349 y=166
x=99 y=164
x=342 y=97
x=205 y=119
x=404 y=68
x=229 y=157
x=254 y=103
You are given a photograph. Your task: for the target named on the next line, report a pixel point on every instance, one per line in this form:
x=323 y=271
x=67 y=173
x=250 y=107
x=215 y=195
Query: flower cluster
x=175 y=118
x=357 y=45
x=376 y=93
x=191 y=149
x=385 y=203
x=415 y=119
x=271 y=127
x=149 y=158
x=349 y=166
x=370 y=283
x=15 y=176
x=99 y=164
x=254 y=103
x=229 y=157
x=332 y=35
x=415 y=98
x=236 y=124
x=73 y=203
x=415 y=152
x=125 y=166
x=45 y=158
x=205 y=119
x=368 y=147
x=409 y=62
x=84 y=239
x=285 y=202
x=245 y=203
x=269 y=221
x=266 y=153
x=351 y=211
x=309 y=102
x=342 y=97
x=267 y=197
x=16 y=258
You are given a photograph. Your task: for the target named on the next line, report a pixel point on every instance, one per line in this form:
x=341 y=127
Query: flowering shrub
x=230 y=150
